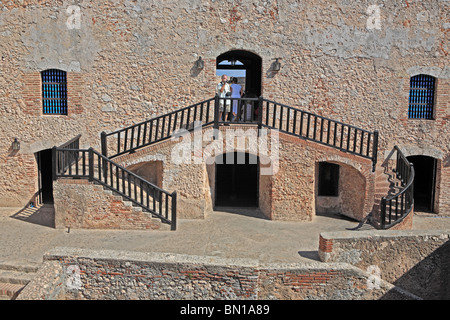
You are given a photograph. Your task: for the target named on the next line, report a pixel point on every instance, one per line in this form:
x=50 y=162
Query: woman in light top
x=236 y=92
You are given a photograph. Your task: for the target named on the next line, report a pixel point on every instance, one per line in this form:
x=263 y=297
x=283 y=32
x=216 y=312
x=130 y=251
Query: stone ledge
x=373 y=234
x=151 y=257
x=149 y=275
x=416 y=260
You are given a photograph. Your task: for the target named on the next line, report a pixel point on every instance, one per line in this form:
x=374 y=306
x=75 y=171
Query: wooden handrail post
x=374 y=150
x=216 y=117
x=91 y=164
x=104 y=143
x=54 y=163
x=260 y=112
x=173 y=224
x=383 y=213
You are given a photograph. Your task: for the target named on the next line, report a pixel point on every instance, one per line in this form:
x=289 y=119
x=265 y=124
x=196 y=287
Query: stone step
x=19 y=267
x=9 y=291
x=127 y=203
x=381 y=178
x=13 y=278
x=136 y=208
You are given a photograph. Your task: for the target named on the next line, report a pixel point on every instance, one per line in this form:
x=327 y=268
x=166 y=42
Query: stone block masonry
x=287 y=194
x=111 y=275
x=415 y=260
x=81 y=204
x=131 y=61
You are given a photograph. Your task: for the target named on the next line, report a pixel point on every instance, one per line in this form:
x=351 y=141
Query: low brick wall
x=84 y=274
x=417 y=261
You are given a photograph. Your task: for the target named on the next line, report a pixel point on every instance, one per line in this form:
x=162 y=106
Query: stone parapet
x=111 y=275
x=416 y=260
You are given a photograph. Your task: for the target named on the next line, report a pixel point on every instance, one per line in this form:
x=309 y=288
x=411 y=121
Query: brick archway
x=362 y=174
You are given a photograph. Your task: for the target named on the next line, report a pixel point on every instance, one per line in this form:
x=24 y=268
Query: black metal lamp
x=16 y=145
x=199 y=64
x=276 y=65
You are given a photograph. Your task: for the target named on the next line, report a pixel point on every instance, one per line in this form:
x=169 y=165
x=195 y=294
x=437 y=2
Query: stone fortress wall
x=127 y=61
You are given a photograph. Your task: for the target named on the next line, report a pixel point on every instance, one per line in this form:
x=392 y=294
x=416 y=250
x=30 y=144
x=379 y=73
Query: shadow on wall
x=152 y=171
x=429 y=279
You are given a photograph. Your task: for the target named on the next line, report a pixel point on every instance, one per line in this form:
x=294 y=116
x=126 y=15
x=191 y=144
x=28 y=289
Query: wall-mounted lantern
x=16 y=145
x=199 y=64
x=276 y=66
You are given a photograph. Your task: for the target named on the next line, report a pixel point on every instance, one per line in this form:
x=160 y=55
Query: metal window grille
x=421 y=97
x=54 y=91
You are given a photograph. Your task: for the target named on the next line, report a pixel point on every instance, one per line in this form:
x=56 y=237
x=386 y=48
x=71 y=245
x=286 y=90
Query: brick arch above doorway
x=333 y=158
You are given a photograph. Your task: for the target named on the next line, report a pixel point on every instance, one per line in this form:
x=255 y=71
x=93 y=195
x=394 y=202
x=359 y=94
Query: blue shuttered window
x=54 y=91
x=421 y=97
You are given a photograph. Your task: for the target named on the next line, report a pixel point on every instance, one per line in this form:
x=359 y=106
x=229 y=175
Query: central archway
x=237 y=180
x=243 y=60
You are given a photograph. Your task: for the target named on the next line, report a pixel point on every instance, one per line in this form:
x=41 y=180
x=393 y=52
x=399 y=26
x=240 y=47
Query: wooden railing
x=70 y=161
x=97 y=168
x=258 y=111
x=156 y=129
x=396 y=207
x=309 y=126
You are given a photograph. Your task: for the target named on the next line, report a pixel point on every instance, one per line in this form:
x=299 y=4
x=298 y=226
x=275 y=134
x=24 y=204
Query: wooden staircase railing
x=395 y=207
x=90 y=164
x=70 y=161
x=257 y=111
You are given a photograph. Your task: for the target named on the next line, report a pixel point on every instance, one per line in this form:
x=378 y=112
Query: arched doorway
x=236 y=180
x=340 y=188
x=246 y=65
x=45 y=178
x=424 y=182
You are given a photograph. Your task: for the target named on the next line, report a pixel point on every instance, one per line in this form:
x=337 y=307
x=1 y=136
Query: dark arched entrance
x=45 y=178
x=237 y=180
x=243 y=60
x=424 y=182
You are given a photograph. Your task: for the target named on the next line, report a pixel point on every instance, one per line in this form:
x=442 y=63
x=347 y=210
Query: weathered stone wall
x=151 y=171
x=112 y=275
x=287 y=184
x=130 y=60
x=294 y=187
x=417 y=261
x=350 y=199
x=189 y=178
x=81 y=204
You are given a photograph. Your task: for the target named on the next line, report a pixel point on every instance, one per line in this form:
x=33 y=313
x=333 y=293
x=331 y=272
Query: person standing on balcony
x=236 y=92
x=224 y=91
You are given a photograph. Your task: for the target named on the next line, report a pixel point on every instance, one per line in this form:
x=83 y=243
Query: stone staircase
x=13 y=278
x=127 y=191
x=135 y=208
x=386 y=184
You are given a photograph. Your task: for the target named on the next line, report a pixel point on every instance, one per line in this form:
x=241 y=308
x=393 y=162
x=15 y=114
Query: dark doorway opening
x=232 y=62
x=44 y=159
x=237 y=180
x=328 y=179
x=424 y=182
